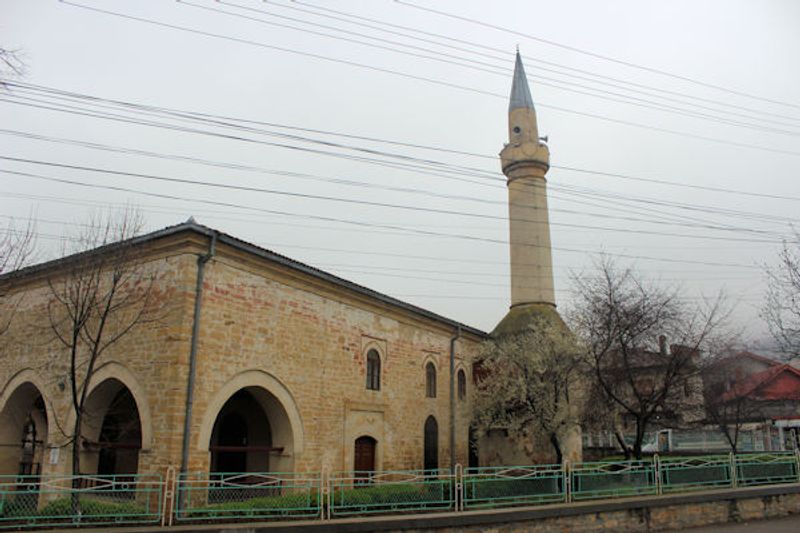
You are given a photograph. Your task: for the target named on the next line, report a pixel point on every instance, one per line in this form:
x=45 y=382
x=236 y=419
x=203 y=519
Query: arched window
x=430 y=381
x=373 y=370
x=431 y=452
x=462 y=385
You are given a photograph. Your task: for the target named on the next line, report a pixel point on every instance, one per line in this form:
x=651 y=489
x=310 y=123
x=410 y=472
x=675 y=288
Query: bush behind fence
x=64 y=501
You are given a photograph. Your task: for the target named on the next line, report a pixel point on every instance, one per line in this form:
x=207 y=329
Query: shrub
x=22 y=507
x=261 y=506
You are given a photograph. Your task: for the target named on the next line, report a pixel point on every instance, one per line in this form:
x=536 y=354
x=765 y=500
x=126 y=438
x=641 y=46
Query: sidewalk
x=778 y=525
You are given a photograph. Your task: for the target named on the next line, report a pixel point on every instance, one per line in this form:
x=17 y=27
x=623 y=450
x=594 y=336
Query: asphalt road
x=781 y=525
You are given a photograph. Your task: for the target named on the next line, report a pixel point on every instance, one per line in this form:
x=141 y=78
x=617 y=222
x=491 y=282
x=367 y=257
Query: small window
x=373 y=370
x=462 y=385
x=430 y=380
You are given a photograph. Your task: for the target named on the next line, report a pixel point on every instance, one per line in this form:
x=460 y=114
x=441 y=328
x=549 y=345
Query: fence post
x=797 y=463
x=567 y=475
x=168 y=496
x=657 y=468
x=733 y=469
x=458 y=481
x=329 y=497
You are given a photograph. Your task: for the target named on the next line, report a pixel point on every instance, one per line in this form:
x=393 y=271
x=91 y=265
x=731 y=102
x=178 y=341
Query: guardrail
x=516 y=485
x=200 y=496
x=63 y=501
x=363 y=493
x=68 y=501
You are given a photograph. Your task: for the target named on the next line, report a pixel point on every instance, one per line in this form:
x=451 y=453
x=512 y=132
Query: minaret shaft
x=529 y=232
x=525 y=161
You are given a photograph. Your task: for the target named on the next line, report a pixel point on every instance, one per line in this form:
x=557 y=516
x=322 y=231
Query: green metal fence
x=200 y=496
x=64 y=501
x=695 y=473
x=612 y=479
x=53 y=501
x=365 y=493
x=518 y=485
x=766 y=468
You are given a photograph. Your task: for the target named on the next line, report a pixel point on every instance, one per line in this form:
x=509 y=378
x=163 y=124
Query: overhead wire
x=352 y=18
x=359 y=223
x=495 y=70
x=464 y=171
x=424 y=79
x=598 y=55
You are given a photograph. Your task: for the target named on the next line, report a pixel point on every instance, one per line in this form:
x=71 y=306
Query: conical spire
x=520 y=92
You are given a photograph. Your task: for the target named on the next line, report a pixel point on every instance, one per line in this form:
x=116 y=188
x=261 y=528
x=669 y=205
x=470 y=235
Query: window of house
x=430 y=381
x=462 y=385
x=373 y=370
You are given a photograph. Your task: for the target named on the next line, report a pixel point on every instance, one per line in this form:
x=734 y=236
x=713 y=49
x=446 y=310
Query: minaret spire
x=520 y=92
x=525 y=161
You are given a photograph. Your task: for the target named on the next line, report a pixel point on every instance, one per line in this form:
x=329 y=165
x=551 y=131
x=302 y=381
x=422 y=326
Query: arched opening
x=473 y=454
x=241 y=440
x=431 y=461
x=373 y=370
x=111 y=431
x=23 y=431
x=364 y=460
x=430 y=380
x=462 y=385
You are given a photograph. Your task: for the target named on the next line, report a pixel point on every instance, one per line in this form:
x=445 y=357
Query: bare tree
x=729 y=412
x=103 y=293
x=623 y=324
x=781 y=310
x=527 y=381
x=16 y=249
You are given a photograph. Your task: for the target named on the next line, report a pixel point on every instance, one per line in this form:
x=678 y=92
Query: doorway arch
x=279 y=407
x=23 y=430
x=431 y=451
x=111 y=430
x=241 y=440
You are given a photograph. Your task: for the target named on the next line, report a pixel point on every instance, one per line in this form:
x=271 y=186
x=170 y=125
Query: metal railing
x=400 y=491
x=517 y=485
x=59 y=501
x=766 y=468
x=66 y=501
x=602 y=479
x=695 y=473
x=200 y=496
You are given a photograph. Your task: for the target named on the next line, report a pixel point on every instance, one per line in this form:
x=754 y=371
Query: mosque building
x=260 y=363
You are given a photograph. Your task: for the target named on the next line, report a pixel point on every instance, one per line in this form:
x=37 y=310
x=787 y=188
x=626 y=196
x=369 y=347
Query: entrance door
x=364 y=463
x=431 y=444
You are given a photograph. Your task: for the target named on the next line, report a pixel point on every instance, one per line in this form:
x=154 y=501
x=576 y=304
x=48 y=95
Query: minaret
x=525 y=161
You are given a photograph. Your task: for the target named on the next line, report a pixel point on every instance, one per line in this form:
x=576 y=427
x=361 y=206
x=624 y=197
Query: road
x=780 y=525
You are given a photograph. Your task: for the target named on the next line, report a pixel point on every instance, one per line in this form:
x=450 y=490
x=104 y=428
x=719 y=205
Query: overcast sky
x=700 y=93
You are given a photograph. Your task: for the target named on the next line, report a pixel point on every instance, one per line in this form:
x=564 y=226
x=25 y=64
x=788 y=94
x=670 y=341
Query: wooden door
x=364 y=463
x=431 y=451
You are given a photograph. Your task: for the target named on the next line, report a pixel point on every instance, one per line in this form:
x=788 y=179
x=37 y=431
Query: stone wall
x=653 y=513
x=297 y=342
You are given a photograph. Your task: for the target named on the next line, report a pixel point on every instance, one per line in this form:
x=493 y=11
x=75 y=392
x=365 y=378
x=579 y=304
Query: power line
x=598 y=56
x=228 y=186
x=463 y=171
x=185 y=113
x=681 y=222
x=528 y=59
x=498 y=70
x=425 y=79
x=359 y=223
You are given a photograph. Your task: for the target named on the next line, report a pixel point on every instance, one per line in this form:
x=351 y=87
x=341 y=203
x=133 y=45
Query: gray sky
x=583 y=102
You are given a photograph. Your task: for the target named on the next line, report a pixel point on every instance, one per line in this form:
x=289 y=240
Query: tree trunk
x=637 y=443
x=557 y=448
x=75 y=503
x=622 y=444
